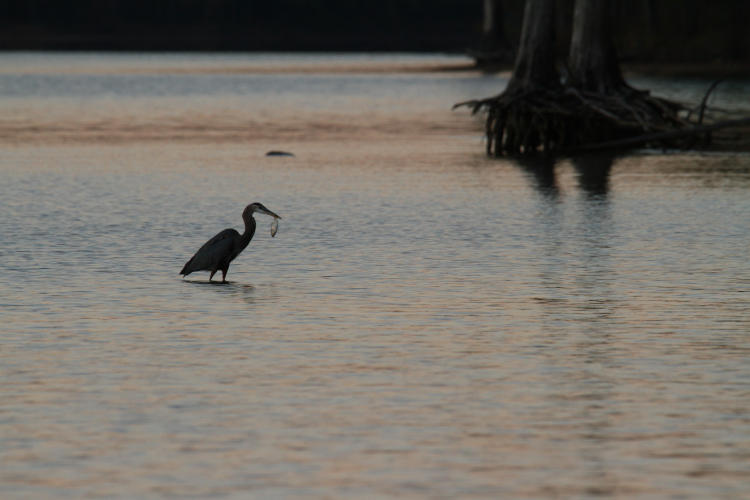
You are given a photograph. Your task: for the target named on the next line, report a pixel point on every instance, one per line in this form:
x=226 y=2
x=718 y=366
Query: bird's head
x=260 y=208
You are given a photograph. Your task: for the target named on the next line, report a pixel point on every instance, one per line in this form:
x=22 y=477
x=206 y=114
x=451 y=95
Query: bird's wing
x=212 y=252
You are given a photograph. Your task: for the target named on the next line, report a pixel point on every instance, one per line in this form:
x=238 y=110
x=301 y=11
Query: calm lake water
x=427 y=323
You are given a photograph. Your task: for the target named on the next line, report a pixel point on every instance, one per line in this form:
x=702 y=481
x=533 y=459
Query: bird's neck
x=249 y=230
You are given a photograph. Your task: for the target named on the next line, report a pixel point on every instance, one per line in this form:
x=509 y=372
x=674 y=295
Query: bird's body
x=218 y=252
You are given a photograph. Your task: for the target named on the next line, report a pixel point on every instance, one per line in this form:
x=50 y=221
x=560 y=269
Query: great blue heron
x=219 y=251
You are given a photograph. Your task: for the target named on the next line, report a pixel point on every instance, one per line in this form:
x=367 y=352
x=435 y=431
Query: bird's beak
x=268 y=212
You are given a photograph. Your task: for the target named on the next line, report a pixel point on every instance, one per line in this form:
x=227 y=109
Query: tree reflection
x=593 y=174
x=578 y=301
x=541 y=171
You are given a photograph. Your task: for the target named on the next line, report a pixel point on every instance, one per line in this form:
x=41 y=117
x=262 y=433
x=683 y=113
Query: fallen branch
x=661 y=136
x=705 y=100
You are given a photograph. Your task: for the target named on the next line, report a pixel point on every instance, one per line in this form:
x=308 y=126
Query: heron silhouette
x=218 y=252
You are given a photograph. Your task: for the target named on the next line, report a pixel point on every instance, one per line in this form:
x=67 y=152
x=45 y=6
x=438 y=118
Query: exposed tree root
x=560 y=120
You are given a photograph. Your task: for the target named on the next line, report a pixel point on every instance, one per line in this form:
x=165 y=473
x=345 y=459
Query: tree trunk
x=493 y=33
x=488 y=13
x=535 y=61
x=493 y=49
x=592 y=58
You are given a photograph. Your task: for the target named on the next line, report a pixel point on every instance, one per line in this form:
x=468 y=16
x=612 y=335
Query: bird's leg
x=212 y=274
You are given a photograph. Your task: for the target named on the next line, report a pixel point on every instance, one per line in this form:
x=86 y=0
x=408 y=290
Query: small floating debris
x=279 y=153
x=274 y=227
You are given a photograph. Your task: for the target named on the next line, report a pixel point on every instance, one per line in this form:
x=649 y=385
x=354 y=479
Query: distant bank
x=682 y=32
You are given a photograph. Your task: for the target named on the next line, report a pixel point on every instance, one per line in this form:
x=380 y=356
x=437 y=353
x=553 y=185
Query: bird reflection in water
x=248 y=293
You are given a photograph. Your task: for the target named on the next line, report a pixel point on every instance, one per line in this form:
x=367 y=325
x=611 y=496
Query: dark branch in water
x=705 y=100
x=662 y=136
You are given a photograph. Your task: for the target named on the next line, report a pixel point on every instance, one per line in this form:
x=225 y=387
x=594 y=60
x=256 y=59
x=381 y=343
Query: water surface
x=427 y=322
